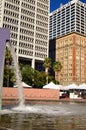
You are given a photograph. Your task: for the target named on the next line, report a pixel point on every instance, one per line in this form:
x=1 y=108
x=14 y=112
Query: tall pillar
x=4 y=36
x=33 y=63
x=74 y=60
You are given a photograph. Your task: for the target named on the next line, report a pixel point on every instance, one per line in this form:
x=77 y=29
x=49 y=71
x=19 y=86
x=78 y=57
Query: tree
x=57 y=68
x=9 y=77
x=32 y=77
x=27 y=74
x=47 y=65
x=8 y=57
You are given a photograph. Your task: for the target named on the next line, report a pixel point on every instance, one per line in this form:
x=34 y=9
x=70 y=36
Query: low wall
x=31 y=94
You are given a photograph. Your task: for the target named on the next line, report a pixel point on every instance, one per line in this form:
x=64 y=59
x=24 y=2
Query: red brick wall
x=35 y=94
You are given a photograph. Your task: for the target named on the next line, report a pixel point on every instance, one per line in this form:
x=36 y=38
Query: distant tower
x=68 y=38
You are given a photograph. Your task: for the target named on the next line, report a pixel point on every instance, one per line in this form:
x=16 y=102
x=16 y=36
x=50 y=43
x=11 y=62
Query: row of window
x=60 y=19
x=41 y=23
x=14 y=1
x=26 y=32
x=29 y=26
x=82 y=31
x=13 y=42
x=30 y=1
x=41 y=36
x=41 y=49
x=11 y=6
x=30 y=46
x=66 y=14
x=12 y=14
x=40 y=55
x=30 y=53
x=25 y=52
x=24 y=38
x=42 y=12
x=13 y=28
x=28 y=6
x=44 y=1
x=25 y=18
x=39 y=29
x=24 y=11
x=25 y=45
x=64 y=31
x=40 y=5
x=10 y=20
x=14 y=36
x=42 y=18
x=42 y=43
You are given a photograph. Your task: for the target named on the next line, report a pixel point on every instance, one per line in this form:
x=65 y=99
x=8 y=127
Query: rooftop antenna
x=61 y=5
x=75 y=0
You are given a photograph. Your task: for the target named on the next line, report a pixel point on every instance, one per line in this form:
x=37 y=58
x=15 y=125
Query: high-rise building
x=28 y=22
x=68 y=18
x=68 y=35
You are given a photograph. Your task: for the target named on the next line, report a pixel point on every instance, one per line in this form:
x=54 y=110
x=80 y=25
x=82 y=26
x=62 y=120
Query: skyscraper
x=69 y=18
x=68 y=33
x=28 y=22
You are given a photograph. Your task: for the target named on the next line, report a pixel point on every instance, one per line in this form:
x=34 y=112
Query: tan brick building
x=71 y=52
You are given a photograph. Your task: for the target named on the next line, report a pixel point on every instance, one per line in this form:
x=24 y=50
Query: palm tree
x=57 y=68
x=47 y=65
x=8 y=57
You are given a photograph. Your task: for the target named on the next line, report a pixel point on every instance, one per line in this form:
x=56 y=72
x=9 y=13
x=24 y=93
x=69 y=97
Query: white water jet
x=17 y=74
x=4 y=37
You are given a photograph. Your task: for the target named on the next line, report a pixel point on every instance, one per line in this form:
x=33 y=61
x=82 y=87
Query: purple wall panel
x=4 y=36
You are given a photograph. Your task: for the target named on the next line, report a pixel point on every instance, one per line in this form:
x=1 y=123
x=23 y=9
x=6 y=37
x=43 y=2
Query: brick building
x=68 y=36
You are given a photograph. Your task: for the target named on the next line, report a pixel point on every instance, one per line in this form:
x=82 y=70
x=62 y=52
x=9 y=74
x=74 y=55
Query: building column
x=33 y=63
x=74 y=59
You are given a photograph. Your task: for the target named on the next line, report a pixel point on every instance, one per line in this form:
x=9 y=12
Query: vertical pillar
x=33 y=63
x=74 y=59
x=4 y=36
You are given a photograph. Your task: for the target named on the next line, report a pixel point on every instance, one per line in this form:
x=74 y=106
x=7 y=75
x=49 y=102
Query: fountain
x=55 y=116
x=17 y=74
x=5 y=37
x=45 y=116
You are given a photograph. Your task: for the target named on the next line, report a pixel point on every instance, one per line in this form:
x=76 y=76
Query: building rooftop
x=63 y=6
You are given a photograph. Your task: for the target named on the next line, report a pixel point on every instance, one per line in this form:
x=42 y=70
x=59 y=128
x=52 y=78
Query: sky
x=54 y=4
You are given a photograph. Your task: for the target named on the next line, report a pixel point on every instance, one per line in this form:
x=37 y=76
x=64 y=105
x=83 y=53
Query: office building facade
x=68 y=18
x=68 y=31
x=28 y=22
